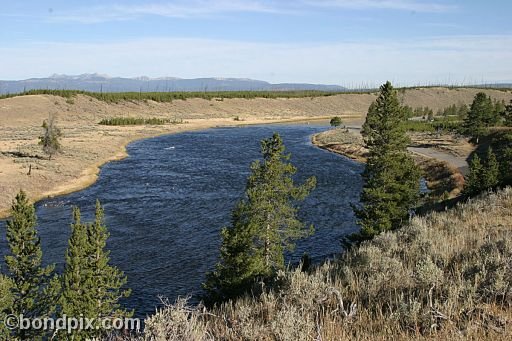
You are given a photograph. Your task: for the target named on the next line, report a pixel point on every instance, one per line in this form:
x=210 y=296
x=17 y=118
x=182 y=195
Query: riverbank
x=88 y=145
x=85 y=151
x=444 y=179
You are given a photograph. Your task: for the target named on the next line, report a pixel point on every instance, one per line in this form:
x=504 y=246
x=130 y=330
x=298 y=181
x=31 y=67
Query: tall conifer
x=30 y=280
x=480 y=116
x=391 y=178
x=491 y=176
x=264 y=224
x=6 y=303
x=473 y=183
x=91 y=287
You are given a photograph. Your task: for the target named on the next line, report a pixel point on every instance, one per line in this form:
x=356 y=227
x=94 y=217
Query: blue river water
x=166 y=203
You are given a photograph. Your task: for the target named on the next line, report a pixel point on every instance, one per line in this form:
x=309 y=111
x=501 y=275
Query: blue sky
x=347 y=42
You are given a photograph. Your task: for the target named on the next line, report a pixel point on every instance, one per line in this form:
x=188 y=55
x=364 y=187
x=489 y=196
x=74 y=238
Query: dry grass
x=443 y=180
x=444 y=276
x=342 y=141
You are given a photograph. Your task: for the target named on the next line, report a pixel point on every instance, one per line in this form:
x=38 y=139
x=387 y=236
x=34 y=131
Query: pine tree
x=336 y=121
x=482 y=175
x=108 y=281
x=473 y=183
x=77 y=297
x=6 y=303
x=391 y=178
x=50 y=138
x=491 y=170
x=264 y=224
x=462 y=111
x=30 y=280
x=91 y=287
x=507 y=115
x=480 y=116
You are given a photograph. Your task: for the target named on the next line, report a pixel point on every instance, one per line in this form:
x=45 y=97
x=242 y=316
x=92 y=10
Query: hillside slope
x=444 y=276
x=87 y=145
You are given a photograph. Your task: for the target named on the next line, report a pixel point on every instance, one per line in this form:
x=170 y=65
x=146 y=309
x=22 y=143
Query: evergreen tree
x=482 y=175
x=507 y=114
x=480 y=116
x=391 y=178
x=6 y=303
x=473 y=183
x=462 y=111
x=91 y=287
x=50 y=138
x=108 y=280
x=77 y=296
x=336 y=121
x=30 y=280
x=264 y=224
x=491 y=170
x=499 y=108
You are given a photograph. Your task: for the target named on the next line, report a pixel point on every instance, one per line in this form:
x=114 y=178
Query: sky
x=346 y=42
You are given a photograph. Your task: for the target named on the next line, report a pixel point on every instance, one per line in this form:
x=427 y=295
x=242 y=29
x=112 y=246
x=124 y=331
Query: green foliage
x=115 y=97
x=90 y=285
x=264 y=224
x=460 y=110
x=124 y=121
x=499 y=108
x=391 y=178
x=501 y=143
x=336 y=121
x=30 y=280
x=424 y=112
x=472 y=185
x=6 y=303
x=482 y=175
x=50 y=138
x=507 y=115
x=437 y=125
x=492 y=171
x=481 y=115
x=408 y=111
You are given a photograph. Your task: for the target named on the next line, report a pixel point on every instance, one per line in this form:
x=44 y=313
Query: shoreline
x=91 y=173
x=329 y=148
x=444 y=179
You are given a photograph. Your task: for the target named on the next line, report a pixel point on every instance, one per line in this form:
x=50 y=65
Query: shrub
x=123 y=121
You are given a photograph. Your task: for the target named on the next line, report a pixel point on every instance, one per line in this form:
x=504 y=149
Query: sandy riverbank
x=78 y=166
x=88 y=145
x=441 y=168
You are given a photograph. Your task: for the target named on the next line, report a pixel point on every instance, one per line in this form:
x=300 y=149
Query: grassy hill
x=445 y=276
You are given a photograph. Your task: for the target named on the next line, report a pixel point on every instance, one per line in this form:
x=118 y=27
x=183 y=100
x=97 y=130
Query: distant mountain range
x=104 y=83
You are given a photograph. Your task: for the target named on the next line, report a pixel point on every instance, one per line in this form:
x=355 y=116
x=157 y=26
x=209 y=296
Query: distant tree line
x=116 y=97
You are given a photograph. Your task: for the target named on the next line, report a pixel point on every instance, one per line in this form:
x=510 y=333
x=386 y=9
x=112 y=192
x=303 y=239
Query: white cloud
x=460 y=59
x=172 y=9
x=207 y=8
x=403 y=5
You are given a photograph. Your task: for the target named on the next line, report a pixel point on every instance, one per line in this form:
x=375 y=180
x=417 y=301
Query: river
x=166 y=203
